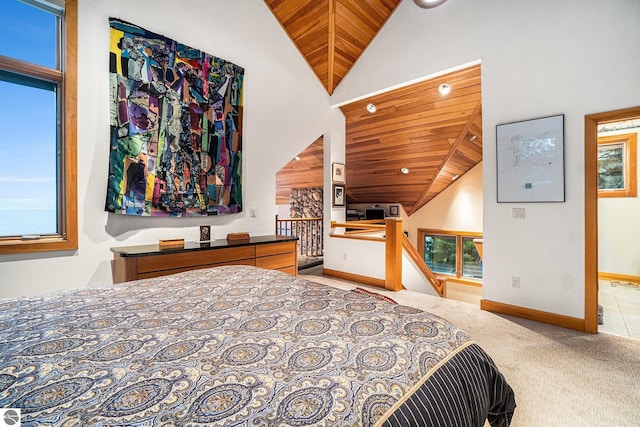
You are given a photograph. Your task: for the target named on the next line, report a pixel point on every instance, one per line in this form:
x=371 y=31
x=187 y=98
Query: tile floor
x=621 y=305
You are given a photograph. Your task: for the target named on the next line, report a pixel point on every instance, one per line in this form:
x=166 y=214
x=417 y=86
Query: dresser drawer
x=229 y=254
x=276 y=248
x=276 y=261
x=158 y=273
x=170 y=261
x=293 y=270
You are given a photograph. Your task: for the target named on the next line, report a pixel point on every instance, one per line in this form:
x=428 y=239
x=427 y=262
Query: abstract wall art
x=176 y=127
x=530 y=160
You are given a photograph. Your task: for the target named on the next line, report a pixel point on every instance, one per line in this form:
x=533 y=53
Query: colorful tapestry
x=176 y=127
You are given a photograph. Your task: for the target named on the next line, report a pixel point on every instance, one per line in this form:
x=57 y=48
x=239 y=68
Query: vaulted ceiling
x=436 y=137
x=331 y=34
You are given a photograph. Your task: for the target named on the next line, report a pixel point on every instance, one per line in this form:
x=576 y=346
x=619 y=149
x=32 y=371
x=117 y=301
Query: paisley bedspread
x=240 y=346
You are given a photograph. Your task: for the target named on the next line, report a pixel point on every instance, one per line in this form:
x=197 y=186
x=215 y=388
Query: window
x=440 y=253
x=617 y=158
x=38 y=206
x=451 y=253
x=471 y=262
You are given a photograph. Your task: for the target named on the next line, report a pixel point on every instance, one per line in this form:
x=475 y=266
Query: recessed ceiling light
x=473 y=138
x=455 y=177
x=444 y=89
x=371 y=108
x=404 y=170
x=297 y=158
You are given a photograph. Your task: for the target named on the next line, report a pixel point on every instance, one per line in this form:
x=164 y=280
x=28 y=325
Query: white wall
x=538 y=59
x=283 y=211
x=334 y=151
x=619 y=230
x=285 y=110
x=413 y=279
x=457 y=208
x=361 y=257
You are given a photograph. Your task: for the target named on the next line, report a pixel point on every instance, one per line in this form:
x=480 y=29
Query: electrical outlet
x=253 y=212
x=517 y=213
x=515 y=282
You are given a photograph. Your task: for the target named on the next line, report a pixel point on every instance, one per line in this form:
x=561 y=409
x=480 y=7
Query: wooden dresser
x=145 y=261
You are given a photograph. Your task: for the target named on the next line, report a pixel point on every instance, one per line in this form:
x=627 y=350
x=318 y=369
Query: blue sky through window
x=27 y=33
x=28 y=185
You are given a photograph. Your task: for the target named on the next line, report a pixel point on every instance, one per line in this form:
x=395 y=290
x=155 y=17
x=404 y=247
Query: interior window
x=451 y=253
x=440 y=253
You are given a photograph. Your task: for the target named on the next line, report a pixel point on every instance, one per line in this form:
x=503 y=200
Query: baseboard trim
x=365 y=280
x=618 y=277
x=531 y=314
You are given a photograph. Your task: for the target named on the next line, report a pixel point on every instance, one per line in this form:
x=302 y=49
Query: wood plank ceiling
x=304 y=172
x=436 y=137
x=331 y=34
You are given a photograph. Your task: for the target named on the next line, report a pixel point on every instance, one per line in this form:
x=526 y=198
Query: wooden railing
x=365 y=229
x=392 y=229
x=412 y=252
x=309 y=232
x=395 y=242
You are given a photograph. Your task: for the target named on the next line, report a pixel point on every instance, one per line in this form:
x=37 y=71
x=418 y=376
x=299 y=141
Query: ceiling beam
x=331 y=54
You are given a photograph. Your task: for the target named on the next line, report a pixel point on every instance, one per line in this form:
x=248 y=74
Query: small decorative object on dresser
x=205 y=233
x=170 y=243
x=235 y=237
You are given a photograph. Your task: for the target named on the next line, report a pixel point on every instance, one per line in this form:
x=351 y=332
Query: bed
x=240 y=346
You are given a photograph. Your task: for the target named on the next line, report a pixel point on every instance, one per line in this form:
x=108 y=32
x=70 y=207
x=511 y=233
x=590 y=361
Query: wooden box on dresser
x=145 y=261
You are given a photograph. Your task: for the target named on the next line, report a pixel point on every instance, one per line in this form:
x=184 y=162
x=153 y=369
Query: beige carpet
x=561 y=377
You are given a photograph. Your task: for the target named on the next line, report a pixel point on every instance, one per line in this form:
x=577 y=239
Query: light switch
x=517 y=213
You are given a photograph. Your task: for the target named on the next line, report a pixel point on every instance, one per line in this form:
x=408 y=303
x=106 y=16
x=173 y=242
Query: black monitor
x=374 y=213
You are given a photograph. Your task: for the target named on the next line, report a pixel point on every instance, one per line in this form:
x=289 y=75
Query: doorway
x=591 y=207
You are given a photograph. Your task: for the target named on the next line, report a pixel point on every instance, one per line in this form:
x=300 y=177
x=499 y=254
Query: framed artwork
x=530 y=160
x=338 y=172
x=393 y=210
x=338 y=195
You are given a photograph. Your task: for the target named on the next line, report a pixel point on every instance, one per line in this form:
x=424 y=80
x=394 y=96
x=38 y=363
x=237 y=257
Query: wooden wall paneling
x=308 y=172
x=417 y=128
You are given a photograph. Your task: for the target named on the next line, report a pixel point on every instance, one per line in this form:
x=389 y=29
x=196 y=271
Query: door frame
x=591 y=122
